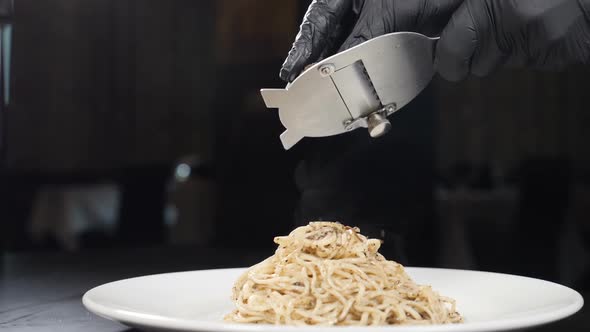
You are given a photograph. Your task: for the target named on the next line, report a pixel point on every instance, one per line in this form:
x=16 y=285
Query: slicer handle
x=378 y=125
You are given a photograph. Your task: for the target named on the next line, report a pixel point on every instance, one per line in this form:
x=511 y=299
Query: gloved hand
x=336 y=25
x=543 y=34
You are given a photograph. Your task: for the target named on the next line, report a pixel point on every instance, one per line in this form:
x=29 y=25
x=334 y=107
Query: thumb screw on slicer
x=378 y=125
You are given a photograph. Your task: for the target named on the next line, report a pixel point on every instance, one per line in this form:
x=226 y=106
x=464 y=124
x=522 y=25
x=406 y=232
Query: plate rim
x=129 y=317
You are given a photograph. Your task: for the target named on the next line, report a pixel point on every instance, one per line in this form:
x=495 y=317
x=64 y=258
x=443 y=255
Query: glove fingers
x=331 y=43
x=372 y=22
x=433 y=16
x=343 y=30
x=318 y=27
x=456 y=46
x=299 y=55
x=352 y=41
x=428 y=17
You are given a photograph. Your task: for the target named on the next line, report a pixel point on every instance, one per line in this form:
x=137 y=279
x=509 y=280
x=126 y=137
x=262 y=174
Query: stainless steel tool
x=359 y=87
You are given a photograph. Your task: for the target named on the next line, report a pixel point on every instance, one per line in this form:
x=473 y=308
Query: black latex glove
x=336 y=25
x=542 y=34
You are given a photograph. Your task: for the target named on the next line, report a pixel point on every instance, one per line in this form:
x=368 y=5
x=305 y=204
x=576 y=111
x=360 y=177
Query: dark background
x=109 y=97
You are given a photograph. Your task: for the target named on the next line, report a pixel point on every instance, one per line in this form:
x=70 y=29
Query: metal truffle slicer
x=359 y=87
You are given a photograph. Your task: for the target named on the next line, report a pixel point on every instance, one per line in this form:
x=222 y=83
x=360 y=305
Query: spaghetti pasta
x=326 y=273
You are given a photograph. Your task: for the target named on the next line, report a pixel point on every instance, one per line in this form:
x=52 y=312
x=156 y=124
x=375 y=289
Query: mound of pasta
x=326 y=273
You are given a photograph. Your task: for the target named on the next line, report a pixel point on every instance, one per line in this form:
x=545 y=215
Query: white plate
x=197 y=301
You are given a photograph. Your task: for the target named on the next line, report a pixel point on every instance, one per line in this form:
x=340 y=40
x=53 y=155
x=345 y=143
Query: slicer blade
x=359 y=87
